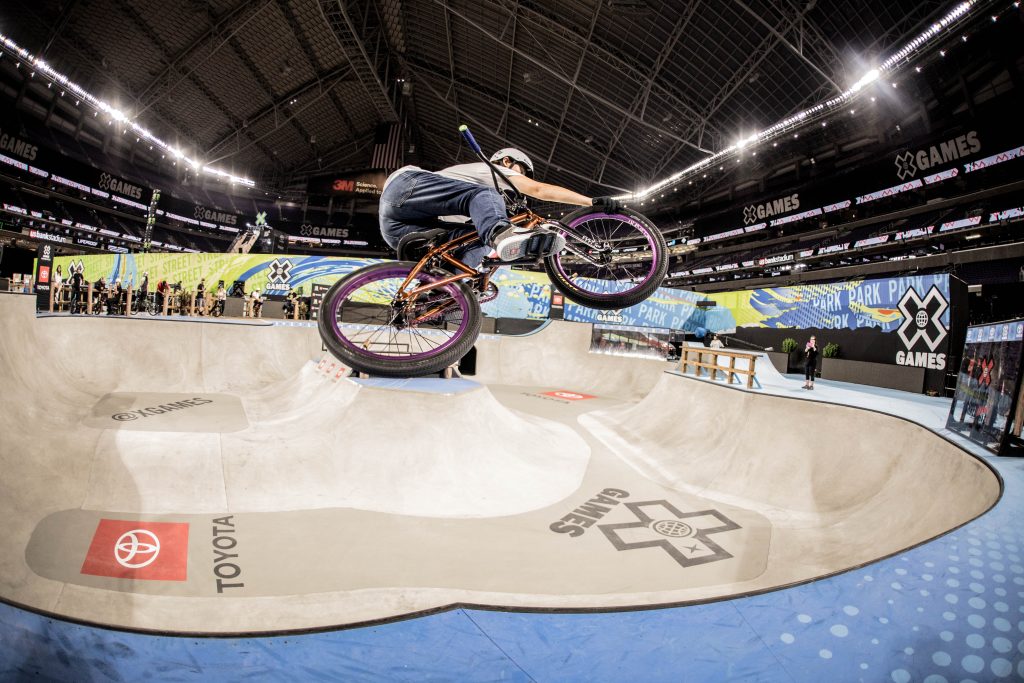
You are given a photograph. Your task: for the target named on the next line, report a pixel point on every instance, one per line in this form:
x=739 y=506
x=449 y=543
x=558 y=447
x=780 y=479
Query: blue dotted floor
x=949 y=610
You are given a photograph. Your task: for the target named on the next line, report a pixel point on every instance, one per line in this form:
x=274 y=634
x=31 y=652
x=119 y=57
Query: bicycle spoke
x=370 y=319
x=596 y=267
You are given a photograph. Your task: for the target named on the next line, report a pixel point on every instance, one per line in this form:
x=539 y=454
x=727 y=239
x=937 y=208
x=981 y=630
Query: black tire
x=623 y=229
x=356 y=324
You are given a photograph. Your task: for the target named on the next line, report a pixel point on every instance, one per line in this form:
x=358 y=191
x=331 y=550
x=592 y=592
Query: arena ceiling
x=605 y=95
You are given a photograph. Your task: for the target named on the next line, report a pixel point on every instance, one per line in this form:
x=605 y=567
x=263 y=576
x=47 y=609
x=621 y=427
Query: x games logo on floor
x=683 y=535
x=922 y=323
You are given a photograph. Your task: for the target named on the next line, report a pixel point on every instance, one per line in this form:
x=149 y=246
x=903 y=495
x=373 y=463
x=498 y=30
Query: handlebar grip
x=464 y=129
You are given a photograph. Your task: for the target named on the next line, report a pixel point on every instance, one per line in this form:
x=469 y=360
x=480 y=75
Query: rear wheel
x=611 y=260
x=366 y=326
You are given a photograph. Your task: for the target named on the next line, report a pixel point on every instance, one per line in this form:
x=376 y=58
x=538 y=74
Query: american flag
x=387 y=147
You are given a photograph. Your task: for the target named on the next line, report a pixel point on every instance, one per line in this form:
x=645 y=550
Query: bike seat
x=413 y=246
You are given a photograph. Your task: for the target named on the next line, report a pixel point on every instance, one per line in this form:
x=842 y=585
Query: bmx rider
x=413 y=199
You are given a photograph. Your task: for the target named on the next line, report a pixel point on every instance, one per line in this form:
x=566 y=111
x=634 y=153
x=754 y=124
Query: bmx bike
x=420 y=314
x=147 y=304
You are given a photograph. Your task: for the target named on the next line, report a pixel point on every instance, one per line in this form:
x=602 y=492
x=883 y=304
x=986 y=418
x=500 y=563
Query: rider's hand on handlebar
x=608 y=203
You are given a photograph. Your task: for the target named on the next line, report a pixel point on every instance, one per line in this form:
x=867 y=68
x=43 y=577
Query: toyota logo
x=136 y=549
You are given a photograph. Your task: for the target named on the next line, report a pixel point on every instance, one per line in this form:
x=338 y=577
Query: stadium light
x=866 y=79
x=914 y=47
x=80 y=93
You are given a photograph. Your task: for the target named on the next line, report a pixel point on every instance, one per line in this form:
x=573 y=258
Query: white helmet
x=515 y=155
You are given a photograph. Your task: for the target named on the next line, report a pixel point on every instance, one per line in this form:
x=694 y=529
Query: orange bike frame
x=527 y=219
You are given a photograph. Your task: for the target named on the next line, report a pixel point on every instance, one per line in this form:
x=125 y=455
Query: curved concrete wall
x=841 y=485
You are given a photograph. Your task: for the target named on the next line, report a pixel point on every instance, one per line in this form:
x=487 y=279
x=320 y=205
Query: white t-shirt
x=477 y=173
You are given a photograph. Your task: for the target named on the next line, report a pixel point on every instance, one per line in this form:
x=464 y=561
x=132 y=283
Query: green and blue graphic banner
x=522 y=294
x=849 y=305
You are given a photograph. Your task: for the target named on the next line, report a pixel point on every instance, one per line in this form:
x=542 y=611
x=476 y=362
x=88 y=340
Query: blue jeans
x=413 y=201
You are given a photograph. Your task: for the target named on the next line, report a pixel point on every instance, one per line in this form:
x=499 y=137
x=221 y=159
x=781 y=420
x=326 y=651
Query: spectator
x=221 y=296
x=57 y=283
x=810 y=363
x=201 y=296
x=290 y=303
x=716 y=343
x=100 y=290
x=77 y=279
x=114 y=292
x=257 y=304
x=161 y=292
x=143 y=292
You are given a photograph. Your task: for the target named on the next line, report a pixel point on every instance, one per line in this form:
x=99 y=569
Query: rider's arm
x=548 y=193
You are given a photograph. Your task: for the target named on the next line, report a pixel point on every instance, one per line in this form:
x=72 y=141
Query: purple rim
x=628 y=219
x=383 y=274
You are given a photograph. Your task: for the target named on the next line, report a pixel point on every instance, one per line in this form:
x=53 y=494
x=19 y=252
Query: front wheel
x=366 y=324
x=610 y=260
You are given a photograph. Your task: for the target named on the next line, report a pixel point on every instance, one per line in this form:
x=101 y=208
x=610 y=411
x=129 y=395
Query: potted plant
x=829 y=360
x=789 y=348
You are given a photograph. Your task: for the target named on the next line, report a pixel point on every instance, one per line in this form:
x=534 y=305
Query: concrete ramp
x=559 y=355
x=841 y=486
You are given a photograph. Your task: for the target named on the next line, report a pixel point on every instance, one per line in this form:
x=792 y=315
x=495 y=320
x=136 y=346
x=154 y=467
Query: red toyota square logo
x=568 y=395
x=124 y=549
x=44 y=274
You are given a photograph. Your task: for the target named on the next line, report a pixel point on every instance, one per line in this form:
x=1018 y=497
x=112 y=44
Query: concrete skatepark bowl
x=198 y=477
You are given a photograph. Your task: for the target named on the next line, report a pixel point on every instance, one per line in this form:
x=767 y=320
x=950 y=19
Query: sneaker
x=509 y=243
x=515 y=243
